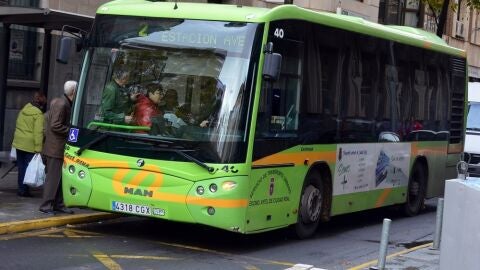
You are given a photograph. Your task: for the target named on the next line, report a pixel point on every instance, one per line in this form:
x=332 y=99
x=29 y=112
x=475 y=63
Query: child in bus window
x=147 y=106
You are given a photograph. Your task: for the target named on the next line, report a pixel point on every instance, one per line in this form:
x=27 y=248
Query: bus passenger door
x=275 y=178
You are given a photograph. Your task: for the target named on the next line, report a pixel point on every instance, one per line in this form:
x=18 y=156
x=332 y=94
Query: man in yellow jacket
x=28 y=137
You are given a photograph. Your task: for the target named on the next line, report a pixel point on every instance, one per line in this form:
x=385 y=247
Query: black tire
x=416 y=191
x=311 y=206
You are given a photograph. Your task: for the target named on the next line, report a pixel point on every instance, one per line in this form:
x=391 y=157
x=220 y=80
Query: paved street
x=347 y=242
x=137 y=243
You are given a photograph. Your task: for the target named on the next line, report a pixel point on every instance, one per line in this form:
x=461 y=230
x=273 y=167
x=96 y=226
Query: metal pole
x=4 y=56
x=438 y=227
x=47 y=48
x=462 y=170
x=383 y=245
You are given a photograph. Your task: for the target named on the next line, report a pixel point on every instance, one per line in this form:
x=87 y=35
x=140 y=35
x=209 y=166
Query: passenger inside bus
x=211 y=96
x=170 y=101
x=117 y=101
x=147 y=106
x=169 y=108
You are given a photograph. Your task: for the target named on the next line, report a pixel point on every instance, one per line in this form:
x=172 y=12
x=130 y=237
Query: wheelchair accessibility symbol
x=73 y=135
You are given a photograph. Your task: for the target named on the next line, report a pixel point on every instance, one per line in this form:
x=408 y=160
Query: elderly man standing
x=56 y=133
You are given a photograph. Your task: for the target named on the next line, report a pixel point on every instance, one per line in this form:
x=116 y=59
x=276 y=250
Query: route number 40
x=278 y=33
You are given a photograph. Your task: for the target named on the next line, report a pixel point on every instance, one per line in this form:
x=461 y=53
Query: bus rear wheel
x=311 y=206
x=416 y=191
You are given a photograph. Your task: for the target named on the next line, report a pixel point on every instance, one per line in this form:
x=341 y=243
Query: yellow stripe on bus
x=383 y=197
x=297 y=158
x=117 y=181
x=427 y=45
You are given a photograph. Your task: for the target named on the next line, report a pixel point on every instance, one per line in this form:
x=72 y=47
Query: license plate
x=131 y=208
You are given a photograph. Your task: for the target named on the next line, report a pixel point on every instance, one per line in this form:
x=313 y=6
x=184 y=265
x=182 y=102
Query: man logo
x=138 y=191
x=140 y=162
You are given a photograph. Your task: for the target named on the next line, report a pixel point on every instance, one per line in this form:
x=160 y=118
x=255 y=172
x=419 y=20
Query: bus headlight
x=229 y=185
x=71 y=169
x=213 y=188
x=200 y=190
x=81 y=174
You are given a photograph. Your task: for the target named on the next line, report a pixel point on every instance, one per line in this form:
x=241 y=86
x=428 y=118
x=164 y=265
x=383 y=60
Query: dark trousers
x=52 y=189
x=23 y=158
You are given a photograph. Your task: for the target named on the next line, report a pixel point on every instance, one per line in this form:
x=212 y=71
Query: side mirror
x=65 y=45
x=272 y=64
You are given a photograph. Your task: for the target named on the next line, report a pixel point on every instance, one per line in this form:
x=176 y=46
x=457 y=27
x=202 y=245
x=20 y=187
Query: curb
x=34 y=224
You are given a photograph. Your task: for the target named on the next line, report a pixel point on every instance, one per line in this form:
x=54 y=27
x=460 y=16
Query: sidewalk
x=421 y=257
x=20 y=214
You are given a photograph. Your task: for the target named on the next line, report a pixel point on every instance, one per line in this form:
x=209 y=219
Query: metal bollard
x=438 y=226
x=462 y=170
x=383 y=245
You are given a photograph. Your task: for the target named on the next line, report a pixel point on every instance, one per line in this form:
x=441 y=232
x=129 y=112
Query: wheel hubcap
x=311 y=204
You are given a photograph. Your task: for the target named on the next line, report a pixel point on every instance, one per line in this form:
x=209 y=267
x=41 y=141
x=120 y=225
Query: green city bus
x=251 y=119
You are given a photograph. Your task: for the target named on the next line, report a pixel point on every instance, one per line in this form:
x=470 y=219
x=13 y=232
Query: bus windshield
x=175 y=80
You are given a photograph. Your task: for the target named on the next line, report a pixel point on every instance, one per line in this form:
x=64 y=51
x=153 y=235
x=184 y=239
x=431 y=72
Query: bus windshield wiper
x=187 y=156
x=473 y=128
x=194 y=160
x=92 y=142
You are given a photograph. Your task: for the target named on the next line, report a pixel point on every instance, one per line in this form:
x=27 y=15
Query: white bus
x=472 y=134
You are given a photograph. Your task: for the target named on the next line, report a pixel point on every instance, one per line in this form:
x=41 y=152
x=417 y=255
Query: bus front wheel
x=311 y=206
x=415 y=191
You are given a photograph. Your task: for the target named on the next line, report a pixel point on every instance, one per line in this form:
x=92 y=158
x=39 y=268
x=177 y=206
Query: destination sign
x=203 y=38
x=199 y=34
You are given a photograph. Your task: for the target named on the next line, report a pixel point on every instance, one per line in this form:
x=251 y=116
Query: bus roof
x=220 y=12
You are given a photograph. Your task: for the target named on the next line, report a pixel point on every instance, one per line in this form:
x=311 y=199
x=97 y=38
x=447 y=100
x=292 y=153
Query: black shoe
x=47 y=211
x=63 y=210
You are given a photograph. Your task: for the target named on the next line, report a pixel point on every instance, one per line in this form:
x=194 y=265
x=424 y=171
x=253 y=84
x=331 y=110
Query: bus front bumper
x=214 y=202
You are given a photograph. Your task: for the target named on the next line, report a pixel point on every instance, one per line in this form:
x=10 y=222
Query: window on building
x=23 y=46
x=23 y=43
x=399 y=12
x=475 y=35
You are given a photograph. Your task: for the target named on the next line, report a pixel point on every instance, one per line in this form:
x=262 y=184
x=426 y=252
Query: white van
x=472 y=134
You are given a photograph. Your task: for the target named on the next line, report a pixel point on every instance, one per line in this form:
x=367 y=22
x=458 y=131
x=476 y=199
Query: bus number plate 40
x=131 y=208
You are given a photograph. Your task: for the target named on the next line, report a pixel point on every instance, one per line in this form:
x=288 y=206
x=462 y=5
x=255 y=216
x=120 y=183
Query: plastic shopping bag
x=35 y=174
x=13 y=153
